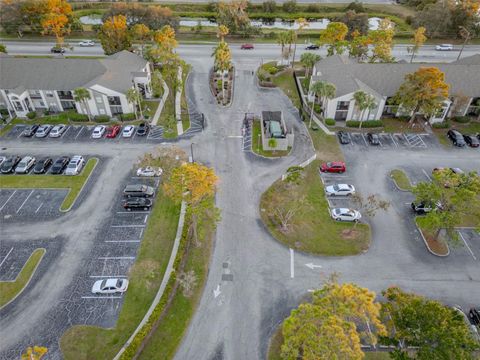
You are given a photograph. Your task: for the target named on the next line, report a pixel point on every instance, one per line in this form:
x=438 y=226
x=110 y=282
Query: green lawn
x=183 y=102
x=149 y=108
x=167 y=118
x=311 y=228
x=401 y=179
x=90 y=342
x=257 y=147
x=286 y=82
x=10 y=289
x=74 y=183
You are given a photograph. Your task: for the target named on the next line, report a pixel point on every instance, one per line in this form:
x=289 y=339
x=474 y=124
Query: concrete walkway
x=178 y=102
x=157 y=114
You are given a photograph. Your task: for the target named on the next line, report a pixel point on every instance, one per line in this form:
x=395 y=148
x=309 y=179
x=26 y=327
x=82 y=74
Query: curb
x=396 y=185
x=211 y=72
x=428 y=247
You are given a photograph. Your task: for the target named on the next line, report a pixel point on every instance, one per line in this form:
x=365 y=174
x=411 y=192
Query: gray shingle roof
x=348 y=75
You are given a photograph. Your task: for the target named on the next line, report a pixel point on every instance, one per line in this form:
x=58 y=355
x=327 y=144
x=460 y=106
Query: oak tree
x=56 y=19
x=114 y=35
x=419 y=39
x=382 y=41
x=34 y=353
x=233 y=15
x=334 y=37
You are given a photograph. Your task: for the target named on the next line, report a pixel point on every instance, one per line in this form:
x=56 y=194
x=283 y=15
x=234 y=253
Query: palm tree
x=222 y=31
x=371 y=104
x=282 y=39
x=133 y=97
x=323 y=90
x=309 y=60
x=302 y=23
x=364 y=102
x=222 y=60
x=82 y=96
x=291 y=39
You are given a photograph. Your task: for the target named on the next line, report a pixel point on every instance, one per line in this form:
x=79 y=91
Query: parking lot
x=338 y=201
x=392 y=141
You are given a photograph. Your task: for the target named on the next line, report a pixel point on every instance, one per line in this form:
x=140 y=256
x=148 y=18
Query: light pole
x=191 y=151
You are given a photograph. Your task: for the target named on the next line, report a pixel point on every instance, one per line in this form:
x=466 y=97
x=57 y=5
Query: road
x=262 y=52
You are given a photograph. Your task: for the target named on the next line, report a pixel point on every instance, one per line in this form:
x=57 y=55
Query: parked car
x=312 y=47
x=128 y=131
x=30 y=130
x=340 y=190
x=59 y=165
x=333 y=167
x=98 y=132
x=9 y=165
x=456 y=138
x=85 y=43
x=472 y=140
x=344 y=214
x=57 y=131
x=343 y=137
x=75 y=165
x=142 y=129
x=444 y=47
x=422 y=208
x=373 y=139
x=474 y=315
x=110 y=286
x=42 y=165
x=138 y=190
x=137 y=203
x=112 y=131
x=43 y=131
x=57 y=50
x=149 y=171
x=247 y=47
x=25 y=165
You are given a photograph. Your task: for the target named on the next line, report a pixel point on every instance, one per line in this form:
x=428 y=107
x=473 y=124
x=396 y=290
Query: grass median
x=91 y=342
x=74 y=183
x=401 y=179
x=10 y=289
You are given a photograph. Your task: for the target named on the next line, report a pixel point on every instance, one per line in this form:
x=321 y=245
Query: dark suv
x=474 y=315
x=8 y=166
x=59 y=165
x=456 y=138
x=137 y=203
x=138 y=190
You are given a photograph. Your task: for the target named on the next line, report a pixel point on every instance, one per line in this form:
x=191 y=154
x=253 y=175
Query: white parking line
x=141 y=233
x=133 y=212
x=145 y=220
x=364 y=140
x=117 y=258
x=292 y=265
x=36 y=211
x=68 y=128
x=101 y=297
x=423 y=142
x=21 y=206
x=120 y=226
x=393 y=139
x=7 y=200
x=81 y=129
x=426 y=174
x=6 y=256
x=466 y=244
x=107 y=276
x=122 y=241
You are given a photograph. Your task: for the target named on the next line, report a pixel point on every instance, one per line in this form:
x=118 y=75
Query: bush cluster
x=441 y=125
x=365 y=124
x=461 y=119
x=127 y=117
x=77 y=117
x=330 y=122
x=32 y=115
x=102 y=118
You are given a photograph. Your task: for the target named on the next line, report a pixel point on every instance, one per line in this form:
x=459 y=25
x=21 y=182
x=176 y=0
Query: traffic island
x=435 y=243
x=221 y=85
x=401 y=180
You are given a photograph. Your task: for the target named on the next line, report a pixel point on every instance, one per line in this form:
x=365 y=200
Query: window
x=49 y=93
x=35 y=94
x=343 y=105
x=114 y=100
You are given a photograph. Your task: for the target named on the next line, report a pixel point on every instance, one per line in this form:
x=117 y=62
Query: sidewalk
x=157 y=114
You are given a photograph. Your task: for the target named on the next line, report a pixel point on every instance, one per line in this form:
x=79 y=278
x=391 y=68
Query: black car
x=57 y=50
x=421 y=208
x=456 y=138
x=373 y=139
x=42 y=165
x=8 y=166
x=471 y=140
x=142 y=129
x=343 y=137
x=312 y=47
x=30 y=130
x=59 y=165
x=137 y=203
x=474 y=315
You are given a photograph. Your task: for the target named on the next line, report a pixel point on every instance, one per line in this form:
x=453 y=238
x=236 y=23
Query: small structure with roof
x=273 y=127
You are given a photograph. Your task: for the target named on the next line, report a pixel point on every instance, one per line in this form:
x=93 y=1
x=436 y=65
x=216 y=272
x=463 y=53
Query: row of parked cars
x=460 y=140
x=56 y=131
x=372 y=138
x=23 y=165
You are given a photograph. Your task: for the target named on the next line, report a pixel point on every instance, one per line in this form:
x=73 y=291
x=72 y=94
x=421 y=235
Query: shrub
x=289 y=6
x=314 y=8
x=269 y=6
x=441 y=125
x=3 y=111
x=127 y=117
x=102 y=118
x=461 y=119
x=356 y=6
x=365 y=124
x=330 y=122
x=73 y=116
x=317 y=108
x=32 y=115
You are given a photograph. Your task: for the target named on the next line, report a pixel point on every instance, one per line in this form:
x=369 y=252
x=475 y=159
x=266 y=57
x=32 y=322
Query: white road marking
x=128 y=226
x=234 y=136
x=364 y=140
x=117 y=258
x=68 y=128
x=145 y=220
x=426 y=174
x=141 y=233
x=122 y=241
x=36 y=211
x=393 y=139
x=292 y=266
x=101 y=297
x=21 y=206
x=81 y=129
x=466 y=244
x=313 y=266
x=216 y=291
x=423 y=142
x=133 y=212
x=6 y=256
x=108 y=276
x=8 y=200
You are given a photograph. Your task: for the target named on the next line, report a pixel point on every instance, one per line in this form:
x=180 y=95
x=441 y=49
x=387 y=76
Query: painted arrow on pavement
x=217 y=291
x=312 y=266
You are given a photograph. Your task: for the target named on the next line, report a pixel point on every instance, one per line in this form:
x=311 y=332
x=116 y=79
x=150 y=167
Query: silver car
x=43 y=131
x=58 y=130
x=344 y=214
x=25 y=165
x=110 y=286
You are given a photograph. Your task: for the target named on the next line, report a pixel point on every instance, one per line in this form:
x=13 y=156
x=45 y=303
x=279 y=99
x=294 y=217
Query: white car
x=98 y=132
x=57 y=131
x=344 y=214
x=86 y=43
x=340 y=190
x=149 y=171
x=444 y=47
x=25 y=165
x=43 y=131
x=110 y=286
x=128 y=131
x=75 y=165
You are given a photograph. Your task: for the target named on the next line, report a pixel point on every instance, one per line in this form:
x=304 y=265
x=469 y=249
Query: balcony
x=65 y=95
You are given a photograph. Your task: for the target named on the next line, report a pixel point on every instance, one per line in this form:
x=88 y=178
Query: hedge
x=77 y=117
x=441 y=125
x=127 y=117
x=330 y=122
x=102 y=118
x=32 y=115
x=365 y=124
x=461 y=119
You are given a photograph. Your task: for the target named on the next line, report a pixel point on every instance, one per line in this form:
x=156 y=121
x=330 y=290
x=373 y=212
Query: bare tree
x=285 y=214
x=188 y=282
x=370 y=205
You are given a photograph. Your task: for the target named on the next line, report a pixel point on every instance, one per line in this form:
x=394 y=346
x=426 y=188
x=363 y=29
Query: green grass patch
x=311 y=229
x=90 y=342
x=286 y=82
x=149 y=108
x=167 y=118
x=401 y=179
x=74 y=183
x=10 y=289
x=257 y=147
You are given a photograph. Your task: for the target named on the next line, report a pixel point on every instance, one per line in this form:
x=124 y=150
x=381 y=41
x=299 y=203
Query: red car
x=113 y=131
x=333 y=167
x=247 y=47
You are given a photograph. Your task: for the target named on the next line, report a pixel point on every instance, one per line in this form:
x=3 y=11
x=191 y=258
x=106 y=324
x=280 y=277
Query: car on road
x=9 y=165
x=30 y=130
x=43 y=131
x=343 y=137
x=112 y=131
x=444 y=47
x=456 y=137
x=25 y=165
x=110 y=286
x=42 y=165
x=344 y=214
x=59 y=165
x=86 y=43
x=474 y=315
x=373 y=139
x=247 y=47
x=58 y=130
x=75 y=165
x=312 y=47
x=472 y=140
x=149 y=171
x=128 y=131
x=137 y=203
x=138 y=190
x=57 y=50
x=340 y=190
x=98 y=131
x=333 y=167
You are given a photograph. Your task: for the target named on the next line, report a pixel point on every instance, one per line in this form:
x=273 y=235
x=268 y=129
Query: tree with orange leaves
x=114 y=35
x=56 y=19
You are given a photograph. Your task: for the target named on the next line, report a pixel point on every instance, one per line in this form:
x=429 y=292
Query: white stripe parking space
x=5 y=203
x=6 y=256
x=26 y=199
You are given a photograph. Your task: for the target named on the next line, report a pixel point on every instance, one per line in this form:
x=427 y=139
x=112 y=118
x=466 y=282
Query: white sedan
x=98 y=132
x=128 y=131
x=110 y=286
x=85 y=43
x=57 y=131
x=344 y=214
x=340 y=190
x=444 y=47
x=149 y=171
